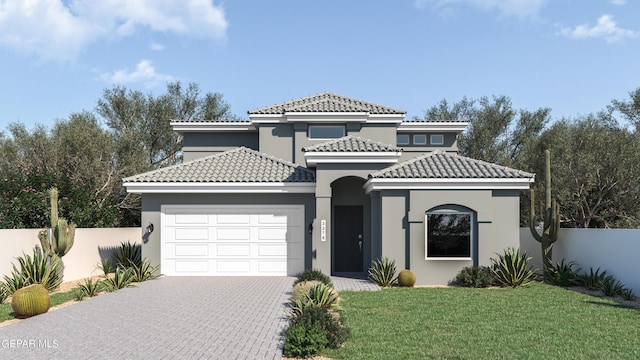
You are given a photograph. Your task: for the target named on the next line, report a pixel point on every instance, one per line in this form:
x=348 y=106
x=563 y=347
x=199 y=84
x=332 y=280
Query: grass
x=6 y=313
x=538 y=322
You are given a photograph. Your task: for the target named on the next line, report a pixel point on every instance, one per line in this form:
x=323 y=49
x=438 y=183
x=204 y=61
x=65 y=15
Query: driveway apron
x=166 y=318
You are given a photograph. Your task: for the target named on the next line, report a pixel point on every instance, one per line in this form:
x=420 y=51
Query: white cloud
x=606 y=29
x=59 y=30
x=517 y=8
x=618 y=2
x=144 y=73
x=156 y=47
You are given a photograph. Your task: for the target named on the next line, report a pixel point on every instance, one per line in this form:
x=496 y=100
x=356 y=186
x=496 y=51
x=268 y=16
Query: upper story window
x=326 y=131
x=419 y=139
x=402 y=139
x=436 y=139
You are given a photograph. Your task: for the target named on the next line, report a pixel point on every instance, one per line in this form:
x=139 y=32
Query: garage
x=232 y=240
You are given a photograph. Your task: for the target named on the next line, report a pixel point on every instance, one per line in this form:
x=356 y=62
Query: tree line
x=595 y=157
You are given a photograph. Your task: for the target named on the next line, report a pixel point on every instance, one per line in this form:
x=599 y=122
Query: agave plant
x=122 y=278
x=593 y=280
x=562 y=274
x=107 y=266
x=611 y=287
x=323 y=296
x=511 y=269
x=4 y=293
x=383 y=272
x=128 y=255
x=91 y=288
x=39 y=269
x=144 y=272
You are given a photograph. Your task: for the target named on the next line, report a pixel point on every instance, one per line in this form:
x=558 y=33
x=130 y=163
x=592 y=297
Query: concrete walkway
x=167 y=318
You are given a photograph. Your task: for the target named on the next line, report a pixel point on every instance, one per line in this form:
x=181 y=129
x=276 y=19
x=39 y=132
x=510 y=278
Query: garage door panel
x=232 y=240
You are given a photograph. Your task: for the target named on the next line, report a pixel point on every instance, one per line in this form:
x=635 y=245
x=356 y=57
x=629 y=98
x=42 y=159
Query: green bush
x=128 y=255
x=562 y=274
x=383 y=272
x=312 y=275
x=336 y=333
x=511 y=269
x=304 y=341
x=475 y=277
x=593 y=280
x=39 y=269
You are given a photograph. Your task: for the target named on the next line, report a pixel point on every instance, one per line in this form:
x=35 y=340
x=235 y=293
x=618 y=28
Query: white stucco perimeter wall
x=83 y=258
x=613 y=250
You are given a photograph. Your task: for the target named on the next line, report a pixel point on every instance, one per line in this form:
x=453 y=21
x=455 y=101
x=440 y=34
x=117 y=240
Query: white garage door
x=232 y=240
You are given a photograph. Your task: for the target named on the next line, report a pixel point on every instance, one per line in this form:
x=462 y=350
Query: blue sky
x=574 y=56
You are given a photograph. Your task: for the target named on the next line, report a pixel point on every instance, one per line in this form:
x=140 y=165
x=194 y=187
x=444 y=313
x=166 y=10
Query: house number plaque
x=323 y=230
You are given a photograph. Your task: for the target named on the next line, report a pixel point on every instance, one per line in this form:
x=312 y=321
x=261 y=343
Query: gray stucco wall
x=497 y=228
x=151 y=207
x=197 y=145
x=277 y=140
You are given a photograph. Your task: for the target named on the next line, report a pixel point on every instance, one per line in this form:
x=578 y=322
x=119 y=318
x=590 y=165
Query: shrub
x=406 y=278
x=328 y=320
x=593 y=280
x=144 y=272
x=562 y=274
x=128 y=255
x=628 y=294
x=312 y=274
x=30 y=300
x=611 y=287
x=511 y=269
x=301 y=290
x=383 y=272
x=121 y=279
x=475 y=276
x=304 y=341
x=39 y=269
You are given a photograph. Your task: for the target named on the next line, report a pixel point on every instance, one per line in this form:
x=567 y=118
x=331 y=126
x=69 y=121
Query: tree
x=630 y=110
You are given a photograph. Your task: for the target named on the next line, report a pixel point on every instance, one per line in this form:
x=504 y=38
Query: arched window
x=449 y=232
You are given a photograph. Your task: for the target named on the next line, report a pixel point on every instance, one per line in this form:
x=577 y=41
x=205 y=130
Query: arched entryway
x=351 y=218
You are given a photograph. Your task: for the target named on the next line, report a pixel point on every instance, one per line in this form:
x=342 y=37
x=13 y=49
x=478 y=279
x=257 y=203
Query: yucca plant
x=106 y=266
x=383 y=272
x=4 y=293
x=145 y=271
x=14 y=282
x=511 y=269
x=322 y=295
x=593 y=280
x=611 y=287
x=128 y=255
x=91 y=288
x=122 y=278
x=39 y=269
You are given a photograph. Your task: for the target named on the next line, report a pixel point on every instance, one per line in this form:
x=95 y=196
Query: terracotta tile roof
x=443 y=165
x=352 y=144
x=326 y=102
x=232 y=166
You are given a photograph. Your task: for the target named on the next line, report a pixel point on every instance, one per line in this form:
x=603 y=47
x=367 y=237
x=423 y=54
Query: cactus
x=551 y=224
x=62 y=233
x=406 y=278
x=30 y=300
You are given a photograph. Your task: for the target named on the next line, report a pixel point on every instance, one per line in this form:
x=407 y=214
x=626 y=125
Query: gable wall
x=200 y=144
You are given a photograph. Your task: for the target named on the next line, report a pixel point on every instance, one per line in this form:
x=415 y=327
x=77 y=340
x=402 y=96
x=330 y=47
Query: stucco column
x=321 y=258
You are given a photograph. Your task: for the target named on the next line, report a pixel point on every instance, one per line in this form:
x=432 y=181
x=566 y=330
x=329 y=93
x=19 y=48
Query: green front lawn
x=538 y=322
x=6 y=313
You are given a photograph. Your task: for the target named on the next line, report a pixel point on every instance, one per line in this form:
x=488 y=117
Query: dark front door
x=347 y=239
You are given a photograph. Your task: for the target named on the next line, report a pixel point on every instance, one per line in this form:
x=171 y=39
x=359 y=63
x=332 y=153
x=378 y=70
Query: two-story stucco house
x=326 y=182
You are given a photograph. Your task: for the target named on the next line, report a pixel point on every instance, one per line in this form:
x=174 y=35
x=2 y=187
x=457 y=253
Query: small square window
x=419 y=139
x=448 y=235
x=326 y=131
x=436 y=139
x=402 y=139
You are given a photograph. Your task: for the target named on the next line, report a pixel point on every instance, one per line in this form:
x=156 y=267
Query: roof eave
x=211 y=126
x=445 y=126
x=377 y=184
x=217 y=188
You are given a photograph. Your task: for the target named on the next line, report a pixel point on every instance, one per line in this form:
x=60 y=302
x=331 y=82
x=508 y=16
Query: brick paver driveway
x=166 y=318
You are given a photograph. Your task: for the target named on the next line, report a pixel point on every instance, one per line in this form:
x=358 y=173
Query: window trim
x=452 y=210
x=408 y=142
x=419 y=143
x=432 y=142
x=343 y=127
